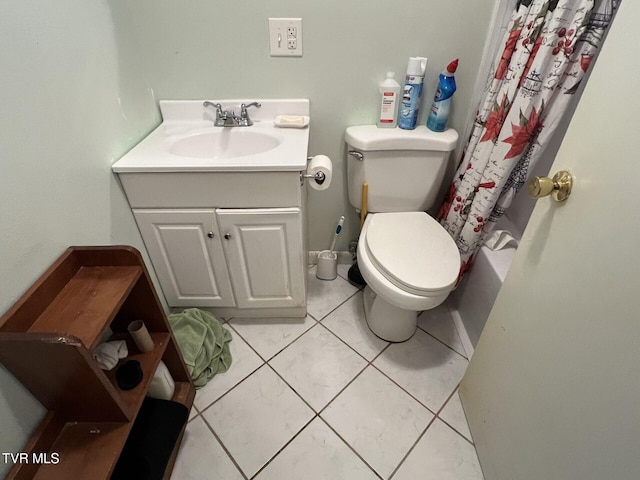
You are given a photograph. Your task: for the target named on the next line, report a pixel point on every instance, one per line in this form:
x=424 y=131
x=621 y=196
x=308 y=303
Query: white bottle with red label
x=389 y=100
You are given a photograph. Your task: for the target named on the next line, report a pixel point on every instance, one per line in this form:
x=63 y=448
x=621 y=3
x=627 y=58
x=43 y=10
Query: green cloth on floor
x=204 y=344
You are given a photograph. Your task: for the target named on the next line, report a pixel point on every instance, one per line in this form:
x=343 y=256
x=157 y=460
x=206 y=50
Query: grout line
x=402 y=388
x=243 y=378
x=448 y=398
x=342 y=389
x=454 y=429
x=273 y=457
x=455 y=391
x=412 y=447
x=283 y=348
x=232 y=387
x=349 y=446
x=336 y=307
x=357 y=352
x=224 y=447
x=443 y=343
x=294 y=390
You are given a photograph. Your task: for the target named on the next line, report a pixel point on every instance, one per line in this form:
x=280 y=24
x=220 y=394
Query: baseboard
x=343 y=257
x=462 y=331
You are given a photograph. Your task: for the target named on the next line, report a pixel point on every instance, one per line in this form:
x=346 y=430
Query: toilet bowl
x=409 y=261
x=410 y=264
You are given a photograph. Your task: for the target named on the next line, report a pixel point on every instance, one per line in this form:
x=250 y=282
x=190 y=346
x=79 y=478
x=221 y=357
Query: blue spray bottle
x=412 y=93
x=441 y=106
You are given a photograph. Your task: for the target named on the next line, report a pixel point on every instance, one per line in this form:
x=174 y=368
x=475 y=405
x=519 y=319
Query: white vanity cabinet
x=221 y=209
x=232 y=241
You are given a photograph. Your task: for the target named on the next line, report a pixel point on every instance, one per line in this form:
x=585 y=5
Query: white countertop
x=182 y=119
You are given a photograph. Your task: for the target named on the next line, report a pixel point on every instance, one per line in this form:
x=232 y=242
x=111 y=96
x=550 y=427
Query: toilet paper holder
x=319 y=177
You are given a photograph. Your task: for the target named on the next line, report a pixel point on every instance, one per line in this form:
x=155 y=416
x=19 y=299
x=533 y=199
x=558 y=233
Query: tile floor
x=324 y=398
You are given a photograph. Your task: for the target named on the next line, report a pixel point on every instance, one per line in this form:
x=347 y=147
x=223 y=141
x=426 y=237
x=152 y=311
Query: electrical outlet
x=285 y=37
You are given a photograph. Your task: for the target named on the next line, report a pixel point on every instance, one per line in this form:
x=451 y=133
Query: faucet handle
x=217 y=106
x=244 y=106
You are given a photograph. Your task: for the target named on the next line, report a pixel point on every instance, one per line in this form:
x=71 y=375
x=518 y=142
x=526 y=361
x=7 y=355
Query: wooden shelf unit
x=46 y=340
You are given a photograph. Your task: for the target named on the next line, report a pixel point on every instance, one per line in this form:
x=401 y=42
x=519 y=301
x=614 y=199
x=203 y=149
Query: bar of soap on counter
x=291 y=121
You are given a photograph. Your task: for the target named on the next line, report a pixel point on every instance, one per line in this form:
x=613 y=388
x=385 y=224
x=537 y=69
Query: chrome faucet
x=224 y=118
x=228 y=118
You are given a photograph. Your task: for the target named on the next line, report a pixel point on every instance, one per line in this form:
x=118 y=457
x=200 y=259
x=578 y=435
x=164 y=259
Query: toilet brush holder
x=327 y=268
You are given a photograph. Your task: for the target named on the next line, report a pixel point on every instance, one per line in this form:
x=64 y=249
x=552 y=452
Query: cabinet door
x=264 y=248
x=187 y=255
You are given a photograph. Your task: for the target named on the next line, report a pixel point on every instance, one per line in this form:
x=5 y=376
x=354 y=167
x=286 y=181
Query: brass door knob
x=559 y=187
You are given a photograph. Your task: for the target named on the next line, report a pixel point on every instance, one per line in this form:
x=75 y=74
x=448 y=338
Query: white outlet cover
x=278 y=38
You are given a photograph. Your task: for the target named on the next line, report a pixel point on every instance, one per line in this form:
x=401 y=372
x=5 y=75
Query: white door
x=187 y=255
x=265 y=248
x=553 y=389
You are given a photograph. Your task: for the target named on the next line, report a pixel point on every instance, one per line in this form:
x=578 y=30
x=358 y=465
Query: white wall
x=73 y=99
x=77 y=91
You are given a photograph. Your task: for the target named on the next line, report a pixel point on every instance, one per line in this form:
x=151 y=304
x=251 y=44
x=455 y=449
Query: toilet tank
x=404 y=169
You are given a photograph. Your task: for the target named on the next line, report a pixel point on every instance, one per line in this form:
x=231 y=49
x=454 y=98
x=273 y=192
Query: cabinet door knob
x=210 y=235
x=227 y=236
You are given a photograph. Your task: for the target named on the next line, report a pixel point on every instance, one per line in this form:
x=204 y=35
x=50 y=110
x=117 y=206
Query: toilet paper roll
x=140 y=335
x=320 y=163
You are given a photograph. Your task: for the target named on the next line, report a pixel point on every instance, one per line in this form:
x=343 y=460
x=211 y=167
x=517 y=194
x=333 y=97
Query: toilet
x=409 y=261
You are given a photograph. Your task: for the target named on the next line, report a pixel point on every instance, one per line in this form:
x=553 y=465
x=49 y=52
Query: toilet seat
x=413 y=252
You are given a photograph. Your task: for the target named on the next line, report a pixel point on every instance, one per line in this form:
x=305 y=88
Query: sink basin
x=188 y=141
x=219 y=143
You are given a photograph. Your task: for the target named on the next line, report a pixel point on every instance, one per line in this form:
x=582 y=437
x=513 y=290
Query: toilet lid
x=413 y=251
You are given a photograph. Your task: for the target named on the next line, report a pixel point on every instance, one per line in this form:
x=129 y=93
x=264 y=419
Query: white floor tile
x=379 y=420
x=441 y=454
x=453 y=414
x=201 y=456
x=318 y=365
x=438 y=322
x=325 y=295
x=317 y=453
x=424 y=367
x=349 y=323
x=268 y=336
x=243 y=362
x=257 y=418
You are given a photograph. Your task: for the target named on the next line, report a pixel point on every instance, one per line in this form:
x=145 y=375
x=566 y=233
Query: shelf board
x=132 y=399
x=85 y=306
x=184 y=394
x=85 y=450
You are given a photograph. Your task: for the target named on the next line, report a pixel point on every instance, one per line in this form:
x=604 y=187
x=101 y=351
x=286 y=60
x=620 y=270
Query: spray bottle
x=412 y=93
x=441 y=106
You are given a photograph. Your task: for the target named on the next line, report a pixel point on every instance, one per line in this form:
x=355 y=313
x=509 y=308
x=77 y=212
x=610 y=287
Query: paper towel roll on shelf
x=320 y=164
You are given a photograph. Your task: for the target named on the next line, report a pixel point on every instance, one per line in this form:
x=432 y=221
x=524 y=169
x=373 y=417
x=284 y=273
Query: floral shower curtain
x=547 y=49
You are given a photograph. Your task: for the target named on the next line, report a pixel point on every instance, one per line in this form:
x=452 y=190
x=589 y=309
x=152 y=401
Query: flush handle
x=559 y=187
x=356 y=154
